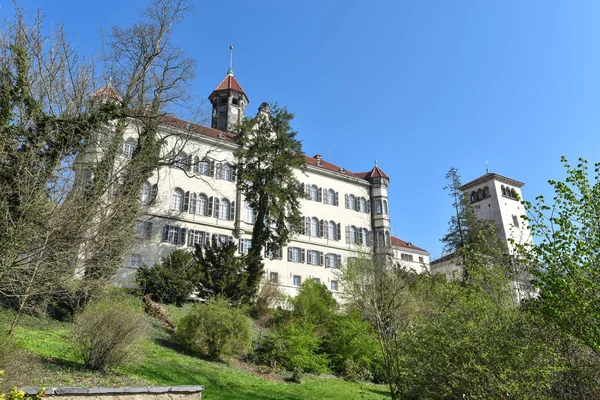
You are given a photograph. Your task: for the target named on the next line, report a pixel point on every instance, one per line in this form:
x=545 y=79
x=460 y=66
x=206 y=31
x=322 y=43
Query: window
x=201 y=205
x=314 y=227
x=177 y=200
x=406 y=257
x=331 y=197
x=334 y=286
x=143 y=230
x=421 y=260
x=145 y=193
x=351 y=202
x=128 y=148
x=295 y=254
x=503 y=190
x=513 y=193
x=135 y=261
x=274 y=255
x=174 y=234
x=378 y=207
x=364 y=236
x=314 y=257
x=515 y=221
x=181 y=161
x=297 y=280
x=313 y=193
x=353 y=236
x=235 y=101
x=273 y=277
x=197 y=237
x=316 y=280
x=226 y=172
x=245 y=245
x=331 y=230
x=387 y=238
x=203 y=168
x=223 y=100
x=332 y=260
x=249 y=217
x=486 y=192
x=362 y=205
x=385 y=207
x=224 y=209
x=193 y=203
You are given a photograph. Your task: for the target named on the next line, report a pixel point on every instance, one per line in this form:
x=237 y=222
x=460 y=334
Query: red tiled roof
x=230 y=83
x=376 y=172
x=401 y=243
x=199 y=129
x=329 y=166
x=107 y=91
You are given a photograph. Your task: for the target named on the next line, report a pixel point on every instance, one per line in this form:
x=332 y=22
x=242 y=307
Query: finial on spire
x=375 y=162
x=230 y=72
x=487 y=170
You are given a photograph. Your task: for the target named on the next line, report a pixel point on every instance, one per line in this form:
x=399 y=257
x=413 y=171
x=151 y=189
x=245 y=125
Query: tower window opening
x=235 y=101
x=223 y=100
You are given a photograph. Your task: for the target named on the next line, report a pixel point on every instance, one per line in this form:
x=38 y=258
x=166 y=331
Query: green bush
x=169 y=281
x=108 y=333
x=214 y=329
x=295 y=347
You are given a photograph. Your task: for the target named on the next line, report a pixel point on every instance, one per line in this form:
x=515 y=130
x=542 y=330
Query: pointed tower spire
x=230 y=72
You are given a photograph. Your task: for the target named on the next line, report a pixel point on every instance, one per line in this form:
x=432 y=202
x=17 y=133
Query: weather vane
x=487 y=170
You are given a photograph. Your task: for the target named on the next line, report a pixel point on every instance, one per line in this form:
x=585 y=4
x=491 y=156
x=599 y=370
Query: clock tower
x=228 y=104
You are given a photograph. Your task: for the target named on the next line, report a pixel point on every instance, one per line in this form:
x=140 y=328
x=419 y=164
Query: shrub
x=108 y=334
x=295 y=347
x=214 y=329
x=267 y=298
x=169 y=281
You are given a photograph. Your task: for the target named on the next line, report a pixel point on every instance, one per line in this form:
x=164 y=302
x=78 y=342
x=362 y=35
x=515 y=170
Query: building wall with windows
x=195 y=199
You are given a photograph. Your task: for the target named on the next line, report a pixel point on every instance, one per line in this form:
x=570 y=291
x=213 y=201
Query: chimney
x=318 y=157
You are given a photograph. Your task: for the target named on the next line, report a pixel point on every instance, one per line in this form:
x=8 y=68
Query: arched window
x=193 y=203
x=385 y=207
x=380 y=239
x=362 y=204
x=128 y=148
x=352 y=202
x=201 y=205
x=181 y=160
x=203 y=167
x=145 y=193
x=364 y=238
x=486 y=192
x=314 y=227
x=353 y=236
x=249 y=214
x=473 y=197
x=177 y=200
x=479 y=194
x=331 y=197
x=387 y=238
x=331 y=230
x=224 y=209
x=503 y=190
x=226 y=172
x=513 y=193
x=314 y=193
x=378 y=207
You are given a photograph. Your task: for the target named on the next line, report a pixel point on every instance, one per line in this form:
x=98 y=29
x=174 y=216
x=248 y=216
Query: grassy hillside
x=46 y=358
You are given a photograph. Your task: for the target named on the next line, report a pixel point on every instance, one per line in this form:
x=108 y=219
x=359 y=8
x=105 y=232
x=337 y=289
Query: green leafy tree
x=567 y=257
x=221 y=272
x=268 y=155
x=313 y=304
x=171 y=280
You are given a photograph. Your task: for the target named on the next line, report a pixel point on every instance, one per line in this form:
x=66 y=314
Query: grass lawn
x=50 y=360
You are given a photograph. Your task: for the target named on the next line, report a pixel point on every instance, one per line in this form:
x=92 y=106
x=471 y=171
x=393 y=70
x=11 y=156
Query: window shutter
x=166 y=233
x=193 y=203
x=304 y=230
x=233 y=174
x=216 y=208
x=325 y=196
x=357 y=204
x=186 y=201
x=319 y=195
x=218 y=172
x=326 y=260
x=368 y=206
x=188 y=162
x=303 y=255
x=190 y=237
x=370 y=238
x=338 y=231
x=360 y=236
x=337 y=199
x=307 y=191
x=240 y=246
x=211 y=168
x=153 y=192
x=347 y=234
x=338 y=260
x=182 y=235
x=211 y=199
x=147 y=230
x=232 y=211
x=320 y=258
x=346 y=200
x=206 y=239
x=322 y=228
x=289 y=254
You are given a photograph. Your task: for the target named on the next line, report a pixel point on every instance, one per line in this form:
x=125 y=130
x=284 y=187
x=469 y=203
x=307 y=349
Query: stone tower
x=498 y=198
x=228 y=104
x=380 y=217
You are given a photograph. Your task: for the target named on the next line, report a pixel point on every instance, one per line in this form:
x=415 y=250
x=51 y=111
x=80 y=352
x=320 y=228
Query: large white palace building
x=344 y=213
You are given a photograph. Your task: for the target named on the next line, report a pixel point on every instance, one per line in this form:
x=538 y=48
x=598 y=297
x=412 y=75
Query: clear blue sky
x=420 y=86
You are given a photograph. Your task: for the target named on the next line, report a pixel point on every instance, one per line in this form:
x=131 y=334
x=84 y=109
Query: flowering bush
x=16 y=394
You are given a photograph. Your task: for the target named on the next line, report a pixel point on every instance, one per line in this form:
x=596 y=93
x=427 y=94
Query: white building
x=344 y=213
x=496 y=198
